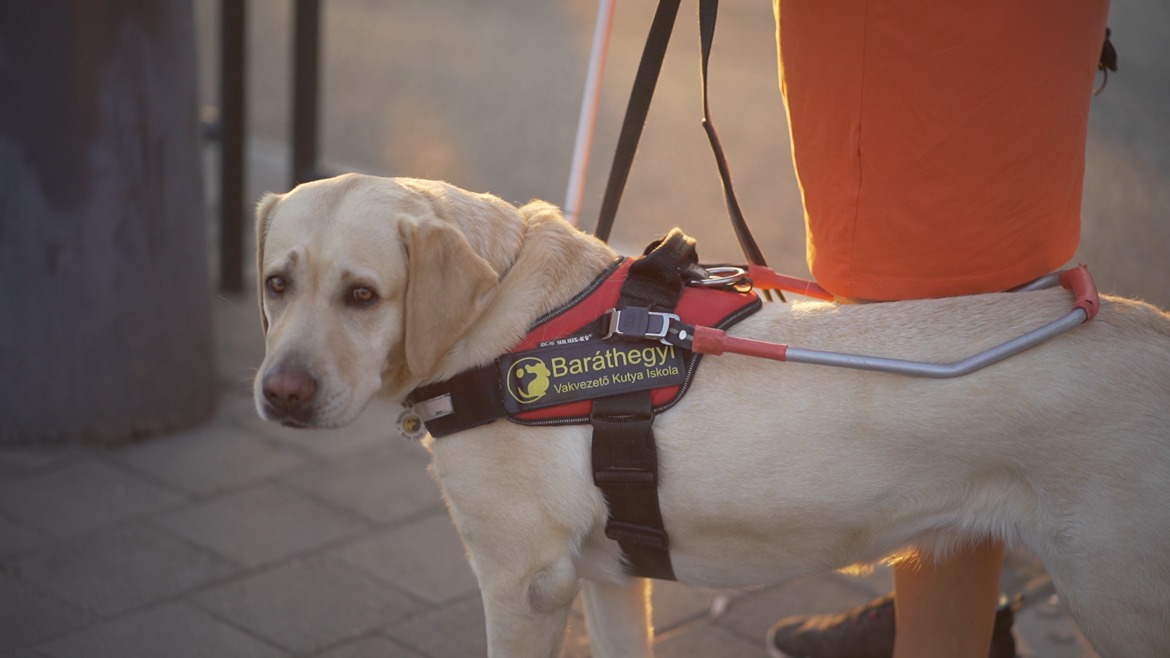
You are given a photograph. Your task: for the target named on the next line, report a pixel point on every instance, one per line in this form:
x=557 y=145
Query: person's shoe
x=1003 y=643
x=864 y=632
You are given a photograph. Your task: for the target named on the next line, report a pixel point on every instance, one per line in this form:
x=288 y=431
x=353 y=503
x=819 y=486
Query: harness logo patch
x=528 y=380
x=584 y=367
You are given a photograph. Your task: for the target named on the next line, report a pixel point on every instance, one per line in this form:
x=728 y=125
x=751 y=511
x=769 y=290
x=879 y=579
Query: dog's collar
x=570 y=363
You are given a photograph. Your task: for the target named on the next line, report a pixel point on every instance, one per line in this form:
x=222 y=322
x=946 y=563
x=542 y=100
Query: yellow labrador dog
x=373 y=286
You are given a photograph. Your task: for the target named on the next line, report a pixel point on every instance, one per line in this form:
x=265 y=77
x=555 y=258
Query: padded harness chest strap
x=625 y=459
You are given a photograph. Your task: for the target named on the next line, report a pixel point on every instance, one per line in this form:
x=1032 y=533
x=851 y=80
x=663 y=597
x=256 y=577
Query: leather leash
x=638 y=108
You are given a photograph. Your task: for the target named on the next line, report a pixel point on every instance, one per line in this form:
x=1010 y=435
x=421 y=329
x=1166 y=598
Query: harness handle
x=707 y=340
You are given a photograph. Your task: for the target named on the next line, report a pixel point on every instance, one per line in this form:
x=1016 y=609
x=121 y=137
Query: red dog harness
x=603 y=359
x=581 y=363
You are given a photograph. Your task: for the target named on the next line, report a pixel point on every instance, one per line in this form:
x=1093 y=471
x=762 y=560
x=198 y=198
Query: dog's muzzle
x=289 y=394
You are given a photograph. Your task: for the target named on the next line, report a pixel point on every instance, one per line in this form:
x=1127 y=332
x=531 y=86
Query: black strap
x=654 y=280
x=475 y=395
x=707 y=12
x=638 y=108
x=1107 y=62
x=625 y=468
x=625 y=459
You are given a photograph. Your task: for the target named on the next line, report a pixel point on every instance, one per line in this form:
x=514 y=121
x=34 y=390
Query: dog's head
x=366 y=284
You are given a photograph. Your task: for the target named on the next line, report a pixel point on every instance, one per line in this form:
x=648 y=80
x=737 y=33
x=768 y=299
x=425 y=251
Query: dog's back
x=1064 y=448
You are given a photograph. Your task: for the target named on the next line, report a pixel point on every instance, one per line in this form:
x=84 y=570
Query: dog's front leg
x=526 y=614
x=619 y=618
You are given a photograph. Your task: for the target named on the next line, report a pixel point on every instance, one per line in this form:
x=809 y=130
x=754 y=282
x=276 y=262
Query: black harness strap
x=707 y=12
x=625 y=459
x=625 y=468
x=635 y=119
x=655 y=280
x=636 y=110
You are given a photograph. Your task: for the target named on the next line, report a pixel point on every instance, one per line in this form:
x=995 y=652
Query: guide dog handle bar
x=707 y=340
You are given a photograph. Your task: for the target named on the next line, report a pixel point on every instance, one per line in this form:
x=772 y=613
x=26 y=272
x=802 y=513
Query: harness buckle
x=436 y=407
x=638 y=322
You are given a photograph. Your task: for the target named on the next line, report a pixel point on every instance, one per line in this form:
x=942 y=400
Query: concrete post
x=105 y=319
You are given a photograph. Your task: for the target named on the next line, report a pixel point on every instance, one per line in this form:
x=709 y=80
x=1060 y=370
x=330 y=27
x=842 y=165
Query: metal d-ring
x=722 y=276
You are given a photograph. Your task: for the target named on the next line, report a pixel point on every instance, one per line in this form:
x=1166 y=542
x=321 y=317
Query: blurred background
x=486 y=96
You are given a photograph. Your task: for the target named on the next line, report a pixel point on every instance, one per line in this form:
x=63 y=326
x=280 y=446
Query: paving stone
x=174 y=630
x=119 y=569
x=27 y=653
x=456 y=629
x=259 y=525
x=425 y=558
x=28 y=616
x=9 y=473
x=706 y=640
x=80 y=496
x=15 y=538
x=24 y=460
x=370 y=647
x=208 y=459
x=675 y=604
x=384 y=484
x=307 y=606
x=1044 y=629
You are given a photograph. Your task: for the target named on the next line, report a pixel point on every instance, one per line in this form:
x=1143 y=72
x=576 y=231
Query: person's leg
x=946 y=608
x=943 y=608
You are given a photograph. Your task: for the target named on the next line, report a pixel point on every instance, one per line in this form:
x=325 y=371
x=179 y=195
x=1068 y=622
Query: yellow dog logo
x=529 y=380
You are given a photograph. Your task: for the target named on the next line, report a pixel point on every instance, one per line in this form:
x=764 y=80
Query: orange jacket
x=939 y=145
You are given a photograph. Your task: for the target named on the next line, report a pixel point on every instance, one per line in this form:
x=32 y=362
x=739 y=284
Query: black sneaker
x=864 y=632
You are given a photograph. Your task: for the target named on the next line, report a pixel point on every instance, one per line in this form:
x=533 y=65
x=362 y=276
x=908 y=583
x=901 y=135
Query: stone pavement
x=242 y=538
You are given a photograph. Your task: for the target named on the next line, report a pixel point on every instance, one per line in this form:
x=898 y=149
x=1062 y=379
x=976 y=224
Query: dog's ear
x=447 y=288
x=263 y=217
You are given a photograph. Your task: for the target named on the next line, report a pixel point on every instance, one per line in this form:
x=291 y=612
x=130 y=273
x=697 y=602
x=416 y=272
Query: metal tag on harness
x=584 y=368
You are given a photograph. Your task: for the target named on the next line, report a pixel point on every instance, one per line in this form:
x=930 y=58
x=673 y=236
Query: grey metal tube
x=1047 y=281
x=939 y=370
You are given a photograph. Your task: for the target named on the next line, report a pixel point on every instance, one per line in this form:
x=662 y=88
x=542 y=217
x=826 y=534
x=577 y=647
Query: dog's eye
x=275 y=285
x=362 y=296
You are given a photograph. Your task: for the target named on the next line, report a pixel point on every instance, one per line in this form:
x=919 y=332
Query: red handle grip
x=1080 y=282
x=716 y=341
x=765 y=279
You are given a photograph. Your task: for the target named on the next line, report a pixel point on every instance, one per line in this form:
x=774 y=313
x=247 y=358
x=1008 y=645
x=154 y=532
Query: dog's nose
x=289 y=389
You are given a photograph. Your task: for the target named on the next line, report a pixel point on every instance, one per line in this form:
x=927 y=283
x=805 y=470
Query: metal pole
x=304 y=111
x=232 y=135
x=589 y=104
x=940 y=370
